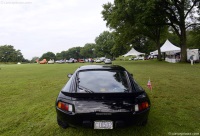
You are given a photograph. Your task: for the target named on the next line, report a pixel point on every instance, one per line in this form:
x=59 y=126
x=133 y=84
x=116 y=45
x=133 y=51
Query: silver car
x=107 y=61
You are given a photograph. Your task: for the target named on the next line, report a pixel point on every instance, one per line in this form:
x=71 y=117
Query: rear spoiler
x=103 y=95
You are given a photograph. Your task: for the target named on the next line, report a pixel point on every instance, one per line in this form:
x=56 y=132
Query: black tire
x=62 y=124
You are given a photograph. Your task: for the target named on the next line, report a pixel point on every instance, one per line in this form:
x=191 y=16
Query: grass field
x=28 y=93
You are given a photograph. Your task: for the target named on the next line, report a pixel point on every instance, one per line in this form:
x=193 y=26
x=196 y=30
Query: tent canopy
x=133 y=52
x=167 y=47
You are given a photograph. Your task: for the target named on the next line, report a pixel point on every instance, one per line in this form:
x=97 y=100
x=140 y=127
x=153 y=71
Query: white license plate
x=103 y=124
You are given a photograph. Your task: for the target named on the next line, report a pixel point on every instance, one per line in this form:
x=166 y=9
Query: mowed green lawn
x=28 y=93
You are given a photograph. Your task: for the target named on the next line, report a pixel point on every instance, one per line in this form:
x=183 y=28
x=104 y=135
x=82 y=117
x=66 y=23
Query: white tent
x=170 y=51
x=167 y=47
x=133 y=52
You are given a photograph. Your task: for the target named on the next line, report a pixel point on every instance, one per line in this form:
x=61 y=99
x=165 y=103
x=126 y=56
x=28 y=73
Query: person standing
x=191 y=59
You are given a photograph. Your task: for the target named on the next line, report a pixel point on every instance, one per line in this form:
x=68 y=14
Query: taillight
x=64 y=106
x=141 y=106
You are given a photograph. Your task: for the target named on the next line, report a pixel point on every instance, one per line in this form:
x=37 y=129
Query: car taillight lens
x=141 y=106
x=64 y=106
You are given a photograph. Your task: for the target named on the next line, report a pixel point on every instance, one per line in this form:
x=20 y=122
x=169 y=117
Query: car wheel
x=62 y=124
x=143 y=123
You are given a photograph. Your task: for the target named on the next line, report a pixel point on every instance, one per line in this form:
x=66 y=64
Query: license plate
x=103 y=124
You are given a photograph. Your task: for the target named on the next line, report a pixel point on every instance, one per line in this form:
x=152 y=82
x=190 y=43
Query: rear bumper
x=87 y=119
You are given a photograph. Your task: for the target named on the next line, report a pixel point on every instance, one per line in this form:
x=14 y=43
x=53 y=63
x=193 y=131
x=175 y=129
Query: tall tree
x=181 y=15
x=132 y=19
x=104 y=43
x=147 y=17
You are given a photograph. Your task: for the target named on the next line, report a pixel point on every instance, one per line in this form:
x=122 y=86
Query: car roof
x=101 y=67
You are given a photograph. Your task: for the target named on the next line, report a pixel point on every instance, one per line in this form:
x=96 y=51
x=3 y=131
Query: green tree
x=133 y=20
x=74 y=52
x=48 y=56
x=62 y=55
x=181 y=16
x=193 y=38
x=88 y=51
x=9 y=54
x=104 y=44
x=33 y=60
x=130 y=18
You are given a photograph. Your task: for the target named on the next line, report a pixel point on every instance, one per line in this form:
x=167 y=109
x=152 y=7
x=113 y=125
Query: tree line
x=106 y=44
x=102 y=47
x=142 y=24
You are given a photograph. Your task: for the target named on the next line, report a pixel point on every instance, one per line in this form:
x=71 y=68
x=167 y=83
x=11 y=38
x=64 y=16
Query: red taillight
x=141 y=106
x=64 y=106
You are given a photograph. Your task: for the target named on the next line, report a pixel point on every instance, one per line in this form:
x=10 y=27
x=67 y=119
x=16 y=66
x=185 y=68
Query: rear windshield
x=102 y=81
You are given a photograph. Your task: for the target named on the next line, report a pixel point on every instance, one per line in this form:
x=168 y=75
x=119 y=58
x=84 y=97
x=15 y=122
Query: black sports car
x=102 y=97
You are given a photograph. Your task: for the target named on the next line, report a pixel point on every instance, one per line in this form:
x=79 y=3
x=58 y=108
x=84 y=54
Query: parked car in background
x=71 y=60
x=86 y=60
x=44 y=61
x=90 y=60
x=139 y=58
x=98 y=61
x=107 y=61
x=102 y=97
x=60 y=61
x=102 y=59
x=81 y=60
x=51 y=61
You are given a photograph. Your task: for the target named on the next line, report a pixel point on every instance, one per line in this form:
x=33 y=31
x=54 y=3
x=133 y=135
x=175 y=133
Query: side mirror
x=69 y=75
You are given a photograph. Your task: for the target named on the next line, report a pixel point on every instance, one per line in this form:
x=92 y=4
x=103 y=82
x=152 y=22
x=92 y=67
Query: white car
x=60 y=61
x=139 y=58
x=107 y=61
x=51 y=61
x=98 y=61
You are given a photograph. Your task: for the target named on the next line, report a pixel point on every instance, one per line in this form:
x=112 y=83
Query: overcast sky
x=38 y=26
